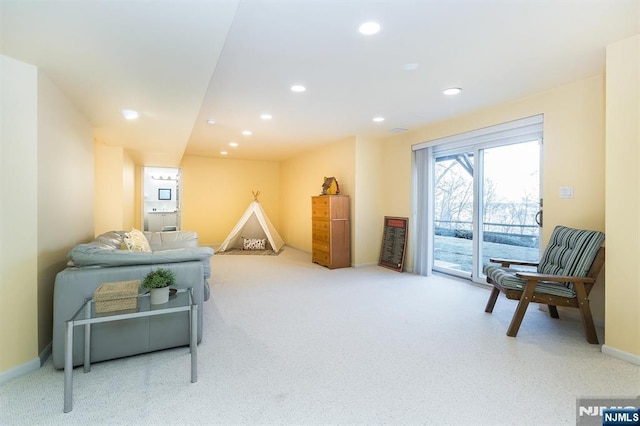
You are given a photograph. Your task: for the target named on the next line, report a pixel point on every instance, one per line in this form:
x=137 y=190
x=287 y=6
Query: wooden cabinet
x=331 y=231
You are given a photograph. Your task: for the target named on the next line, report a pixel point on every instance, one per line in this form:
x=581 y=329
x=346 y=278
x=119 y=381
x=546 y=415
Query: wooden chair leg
x=518 y=315
x=585 y=313
x=492 y=300
x=553 y=311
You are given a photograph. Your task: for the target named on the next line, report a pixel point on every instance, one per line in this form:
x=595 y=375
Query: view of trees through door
x=489 y=195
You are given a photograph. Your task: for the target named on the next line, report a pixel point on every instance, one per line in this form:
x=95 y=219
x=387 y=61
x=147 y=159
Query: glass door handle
x=538 y=218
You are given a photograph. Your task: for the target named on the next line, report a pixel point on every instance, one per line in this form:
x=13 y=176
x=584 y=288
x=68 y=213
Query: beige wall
x=302 y=177
x=115 y=189
x=216 y=192
x=19 y=213
x=65 y=192
x=622 y=326
x=573 y=155
x=138 y=201
x=128 y=192
x=46 y=188
x=368 y=214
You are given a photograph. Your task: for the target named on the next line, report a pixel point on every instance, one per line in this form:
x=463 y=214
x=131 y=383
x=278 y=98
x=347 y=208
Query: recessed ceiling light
x=223 y=152
x=247 y=132
x=129 y=114
x=233 y=144
x=397 y=130
x=211 y=121
x=410 y=66
x=298 y=88
x=378 y=119
x=266 y=116
x=452 y=91
x=369 y=28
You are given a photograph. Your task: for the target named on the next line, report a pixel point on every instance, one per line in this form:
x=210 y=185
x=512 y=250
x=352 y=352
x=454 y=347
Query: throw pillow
x=254 y=244
x=136 y=241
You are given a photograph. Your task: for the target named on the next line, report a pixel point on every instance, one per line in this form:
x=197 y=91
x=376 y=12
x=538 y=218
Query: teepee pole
x=255 y=195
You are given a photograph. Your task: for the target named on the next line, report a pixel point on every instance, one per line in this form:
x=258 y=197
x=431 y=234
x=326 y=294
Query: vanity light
x=369 y=28
x=452 y=91
x=247 y=132
x=298 y=88
x=129 y=114
x=378 y=119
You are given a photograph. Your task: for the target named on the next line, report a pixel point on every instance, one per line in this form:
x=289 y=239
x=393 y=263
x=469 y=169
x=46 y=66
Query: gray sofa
x=105 y=260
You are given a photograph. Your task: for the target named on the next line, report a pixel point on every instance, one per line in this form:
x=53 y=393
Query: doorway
x=478 y=197
x=161 y=199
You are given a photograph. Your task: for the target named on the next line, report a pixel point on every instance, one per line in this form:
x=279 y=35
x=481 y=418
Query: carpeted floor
x=290 y=342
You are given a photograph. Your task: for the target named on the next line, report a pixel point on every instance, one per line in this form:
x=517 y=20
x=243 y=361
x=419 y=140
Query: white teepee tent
x=254 y=223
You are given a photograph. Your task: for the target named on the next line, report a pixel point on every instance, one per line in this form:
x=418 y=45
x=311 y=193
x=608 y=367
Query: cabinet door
x=155 y=222
x=169 y=219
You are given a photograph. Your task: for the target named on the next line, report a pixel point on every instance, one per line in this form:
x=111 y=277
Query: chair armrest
x=505 y=263
x=555 y=278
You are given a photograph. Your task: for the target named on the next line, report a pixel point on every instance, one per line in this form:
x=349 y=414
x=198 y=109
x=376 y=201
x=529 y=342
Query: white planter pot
x=159 y=295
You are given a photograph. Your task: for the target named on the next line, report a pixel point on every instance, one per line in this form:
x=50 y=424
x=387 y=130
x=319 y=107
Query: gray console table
x=182 y=301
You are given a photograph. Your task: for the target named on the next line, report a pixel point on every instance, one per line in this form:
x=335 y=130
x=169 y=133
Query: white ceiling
x=180 y=62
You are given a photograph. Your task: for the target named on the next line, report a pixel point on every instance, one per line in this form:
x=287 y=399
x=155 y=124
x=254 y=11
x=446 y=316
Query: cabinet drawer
x=320 y=212
x=320 y=202
x=320 y=225
x=320 y=235
x=321 y=246
x=320 y=257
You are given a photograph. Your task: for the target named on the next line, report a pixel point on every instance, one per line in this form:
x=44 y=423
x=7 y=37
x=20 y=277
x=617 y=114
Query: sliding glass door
x=485 y=201
x=453 y=212
x=476 y=195
x=510 y=202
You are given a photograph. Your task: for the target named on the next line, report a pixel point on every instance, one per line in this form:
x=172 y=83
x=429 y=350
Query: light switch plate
x=566 y=192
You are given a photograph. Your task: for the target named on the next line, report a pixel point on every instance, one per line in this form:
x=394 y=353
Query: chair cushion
x=570 y=252
x=506 y=278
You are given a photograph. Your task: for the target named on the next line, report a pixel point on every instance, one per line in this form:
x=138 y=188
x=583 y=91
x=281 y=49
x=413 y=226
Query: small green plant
x=159 y=278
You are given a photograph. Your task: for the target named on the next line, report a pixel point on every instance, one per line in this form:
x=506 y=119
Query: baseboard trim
x=27 y=367
x=624 y=356
x=20 y=370
x=45 y=354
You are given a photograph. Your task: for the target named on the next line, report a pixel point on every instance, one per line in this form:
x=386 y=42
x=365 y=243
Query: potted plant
x=158 y=281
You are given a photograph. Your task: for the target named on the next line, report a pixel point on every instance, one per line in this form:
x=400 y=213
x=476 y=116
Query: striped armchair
x=564 y=277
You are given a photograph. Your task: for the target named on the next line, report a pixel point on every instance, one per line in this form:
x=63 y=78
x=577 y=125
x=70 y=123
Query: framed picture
x=164 y=193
